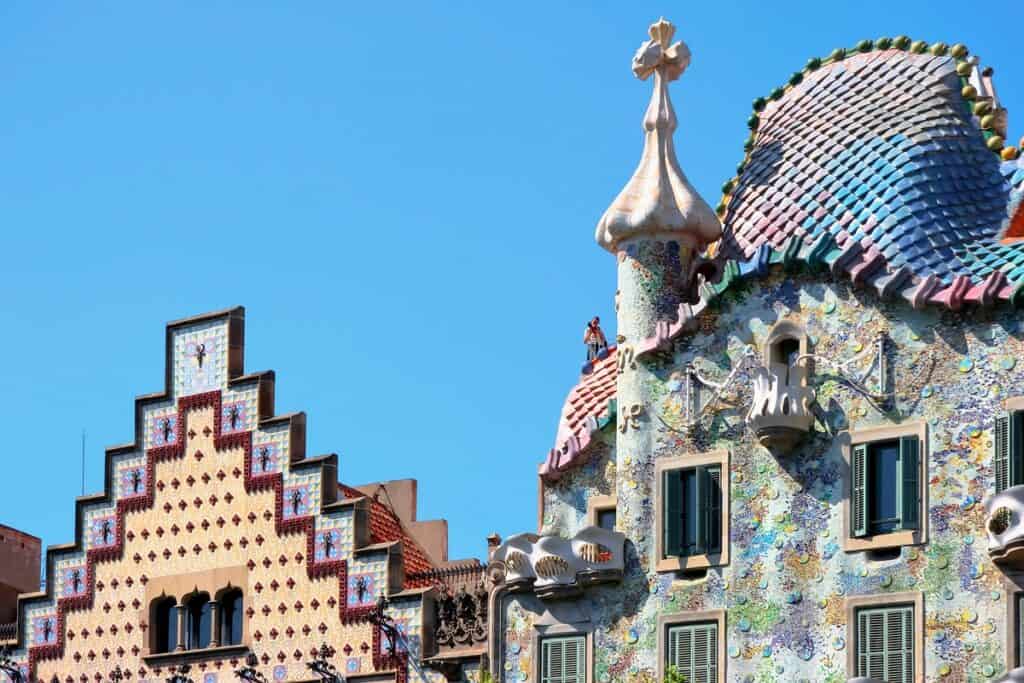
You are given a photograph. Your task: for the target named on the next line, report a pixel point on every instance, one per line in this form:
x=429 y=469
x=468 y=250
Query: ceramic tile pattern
x=785 y=585
x=879 y=149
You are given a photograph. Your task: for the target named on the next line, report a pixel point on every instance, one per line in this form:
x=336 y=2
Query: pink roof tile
x=587 y=408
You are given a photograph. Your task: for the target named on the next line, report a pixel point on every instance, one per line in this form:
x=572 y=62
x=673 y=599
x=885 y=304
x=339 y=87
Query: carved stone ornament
x=461 y=617
x=658 y=201
x=555 y=567
x=780 y=412
x=1005 y=527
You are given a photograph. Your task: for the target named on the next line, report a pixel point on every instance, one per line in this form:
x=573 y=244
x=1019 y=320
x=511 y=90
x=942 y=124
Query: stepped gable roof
x=588 y=408
x=386 y=527
x=886 y=162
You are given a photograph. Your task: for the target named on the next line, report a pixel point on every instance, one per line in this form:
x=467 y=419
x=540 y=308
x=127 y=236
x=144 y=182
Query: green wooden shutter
x=859 y=495
x=713 y=493
x=672 y=515
x=1001 y=454
x=693 y=650
x=563 y=660
x=885 y=644
x=700 y=508
x=1020 y=629
x=910 y=488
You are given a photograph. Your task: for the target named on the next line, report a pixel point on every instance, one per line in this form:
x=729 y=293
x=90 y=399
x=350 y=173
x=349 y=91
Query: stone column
x=214 y=624
x=181 y=627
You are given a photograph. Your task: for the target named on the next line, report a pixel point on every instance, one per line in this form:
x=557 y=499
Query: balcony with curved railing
x=553 y=566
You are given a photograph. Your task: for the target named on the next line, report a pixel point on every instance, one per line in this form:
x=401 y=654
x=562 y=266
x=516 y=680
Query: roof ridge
x=981 y=109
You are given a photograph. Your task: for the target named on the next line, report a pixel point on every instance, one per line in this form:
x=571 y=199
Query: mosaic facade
x=864 y=284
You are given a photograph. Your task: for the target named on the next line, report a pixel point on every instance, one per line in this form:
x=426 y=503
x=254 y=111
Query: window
x=693 y=651
x=1008 y=459
x=165 y=625
x=606 y=519
x=231 y=617
x=886 y=494
x=197 y=622
x=692 y=503
x=563 y=660
x=885 y=643
x=1020 y=629
x=692 y=511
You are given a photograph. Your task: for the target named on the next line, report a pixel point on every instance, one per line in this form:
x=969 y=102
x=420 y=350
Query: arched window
x=197 y=621
x=231 y=617
x=786 y=343
x=165 y=625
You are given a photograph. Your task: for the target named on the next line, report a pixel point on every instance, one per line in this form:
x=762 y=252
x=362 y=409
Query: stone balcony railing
x=555 y=567
x=780 y=412
x=1005 y=527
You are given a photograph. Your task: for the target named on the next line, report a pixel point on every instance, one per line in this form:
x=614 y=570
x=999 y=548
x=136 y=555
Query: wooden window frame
x=1014 y=409
x=676 y=564
x=599 y=504
x=562 y=631
x=667 y=621
x=902 y=537
x=1013 y=592
x=856 y=603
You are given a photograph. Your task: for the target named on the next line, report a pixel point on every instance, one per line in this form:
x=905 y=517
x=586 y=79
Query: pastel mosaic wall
x=786 y=585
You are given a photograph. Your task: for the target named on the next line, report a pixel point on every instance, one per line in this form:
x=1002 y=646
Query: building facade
x=218 y=544
x=803 y=459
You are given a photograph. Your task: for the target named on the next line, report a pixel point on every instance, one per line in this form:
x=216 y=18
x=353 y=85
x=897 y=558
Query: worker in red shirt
x=593 y=337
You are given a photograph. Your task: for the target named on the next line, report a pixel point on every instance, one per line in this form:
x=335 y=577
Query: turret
x=658 y=223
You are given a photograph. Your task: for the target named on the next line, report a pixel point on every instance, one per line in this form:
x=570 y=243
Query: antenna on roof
x=83 y=462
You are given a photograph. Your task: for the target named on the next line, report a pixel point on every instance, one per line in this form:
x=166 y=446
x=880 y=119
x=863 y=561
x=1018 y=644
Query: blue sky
x=403 y=196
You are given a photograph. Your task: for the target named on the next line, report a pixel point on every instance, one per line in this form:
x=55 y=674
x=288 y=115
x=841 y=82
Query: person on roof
x=593 y=337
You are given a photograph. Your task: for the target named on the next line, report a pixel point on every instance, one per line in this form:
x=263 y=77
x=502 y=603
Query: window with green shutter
x=885 y=643
x=1020 y=629
x=1008 y=446
x=692 y=514
x=693 y=651
x=563 y=660
x=886 y=486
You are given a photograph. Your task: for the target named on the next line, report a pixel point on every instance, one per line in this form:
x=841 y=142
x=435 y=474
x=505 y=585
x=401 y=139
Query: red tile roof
x=386 y=527
x=589 y=407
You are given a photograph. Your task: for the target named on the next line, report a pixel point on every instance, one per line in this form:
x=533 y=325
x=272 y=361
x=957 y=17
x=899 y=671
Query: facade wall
x=789 y=580
x=218 y=493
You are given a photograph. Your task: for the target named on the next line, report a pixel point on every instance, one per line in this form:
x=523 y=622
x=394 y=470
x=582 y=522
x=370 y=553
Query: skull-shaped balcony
x=780 y=412
x=556 y=567
x=1005 y=527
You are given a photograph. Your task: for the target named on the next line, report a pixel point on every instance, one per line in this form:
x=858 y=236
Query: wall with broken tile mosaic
x=788 y=578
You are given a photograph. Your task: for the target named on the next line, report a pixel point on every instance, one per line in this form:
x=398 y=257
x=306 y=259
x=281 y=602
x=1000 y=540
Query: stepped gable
x=588 y=408
x=385 y=527
x=210 y=453
x=886 y=162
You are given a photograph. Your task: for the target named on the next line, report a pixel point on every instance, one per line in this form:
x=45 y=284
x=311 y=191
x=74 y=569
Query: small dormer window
x=785 y=351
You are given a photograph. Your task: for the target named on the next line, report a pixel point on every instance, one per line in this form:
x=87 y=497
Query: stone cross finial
x=659 y=53
x=658 y=201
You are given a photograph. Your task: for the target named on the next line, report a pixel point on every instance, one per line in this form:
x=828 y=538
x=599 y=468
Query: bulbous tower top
x=658 y=201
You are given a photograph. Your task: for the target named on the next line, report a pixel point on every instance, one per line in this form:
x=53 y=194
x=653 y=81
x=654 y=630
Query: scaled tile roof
x=881 y=159
x=589 y=407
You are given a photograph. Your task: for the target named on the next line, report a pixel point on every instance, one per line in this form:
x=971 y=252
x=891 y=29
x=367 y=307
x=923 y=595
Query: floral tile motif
x=297 y=501
x=103 y=531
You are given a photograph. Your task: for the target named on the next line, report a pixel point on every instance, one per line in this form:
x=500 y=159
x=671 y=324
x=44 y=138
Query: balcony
x=780 y=412
x=556 y=567
x=1005 y=527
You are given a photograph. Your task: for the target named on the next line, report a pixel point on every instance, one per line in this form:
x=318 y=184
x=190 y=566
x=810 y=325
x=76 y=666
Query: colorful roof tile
x=386 y=527
x=589 y=407
x=880 y=160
